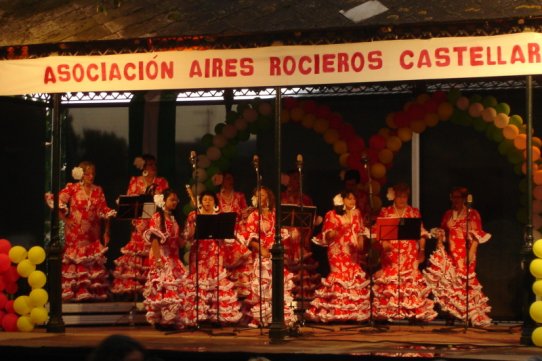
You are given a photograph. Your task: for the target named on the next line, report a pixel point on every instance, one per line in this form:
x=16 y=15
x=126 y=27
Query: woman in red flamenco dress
x=132 y=266
x=169 y=293
x=447 y=271
x=344 y=294
x=400 y=291
x=83 y=207
x=217 y=301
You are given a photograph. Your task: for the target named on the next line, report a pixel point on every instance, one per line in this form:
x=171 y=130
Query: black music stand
x=135 y=206
x=218 y=227
x=390 y=229
x=301 y=217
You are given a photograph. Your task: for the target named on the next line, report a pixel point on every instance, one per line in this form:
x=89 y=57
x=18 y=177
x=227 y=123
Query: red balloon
x=353 y=160
x=5 y=262
x=11 y=274
x=9 y=322
x=416 y=111
x=323 y=111
x=2 y=285
x=401 y=119
x=5 y=245
x=439 y=96
x=289 y=103
x=2 y=314
x=372 y=154
x=335 y=120
x=310 y=106
x=3 y=300
x=431 y=106
x=11 y=288
x=377 y=142
x=9 y=306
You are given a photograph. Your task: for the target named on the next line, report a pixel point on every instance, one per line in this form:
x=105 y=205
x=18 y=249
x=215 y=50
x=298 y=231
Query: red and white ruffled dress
x=251 y=308
x=236 y=253
x=446 y=273
x=84 y=274
x=344 y=294
x=132 y=266
x=217 y=294
x=400 y=290
x=169 y=293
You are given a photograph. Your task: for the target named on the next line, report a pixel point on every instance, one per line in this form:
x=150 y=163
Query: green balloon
x=231 y=116
x=253 y=128
x=209 y=185
x=207 y=140
x=187 y=208
x=453 y=95
x=516 y=120
x=264 y=123
x=241 y=107
x=521 y=215
x=489 y=131
x=505 y=146
x=219 y=127
x=243 y=135
x=229 y=151
x=475 y=98
x=458 y=116
x=497 y=136
x=489 y=101
x=212 y=170
x=523 y=185
x=517 y=169
x=479 y=125
x=222 y=163
x=516 y=158
x=503 y=108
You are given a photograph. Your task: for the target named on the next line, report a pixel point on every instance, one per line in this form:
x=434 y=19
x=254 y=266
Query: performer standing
x=169 y=293
x=131 y=267
x=260 y=236
x=217 y=295
x=82 y=208
x=236 y=253
x=447 y=271
x=344 y=295
x=400 y=291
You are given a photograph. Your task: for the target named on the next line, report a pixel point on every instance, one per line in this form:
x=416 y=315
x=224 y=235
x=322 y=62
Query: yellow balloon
x=37 y=279
x=536 y=336
x=537 y=287
x=536 y=267
x=405 y=134
x=331 y=136
x=25 y=268
x=501 y=120
x=537 y=248
x=24 y=324
x=510 y=131
x=39 y=315
x=38 y=297
x=17 y=254
x=385 y=156
x=308 y=120
x=445 y=111
x=378 y=170
x=536 y=311
x=394 y=143
x=21 y=305
x=418 y=126
x=431 y=119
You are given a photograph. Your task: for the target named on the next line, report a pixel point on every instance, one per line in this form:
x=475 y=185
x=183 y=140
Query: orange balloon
x=321 y=125
x=417 y=126
x=284 y=116
x=385 y=156
x=537 y=193
x=510 y=131
x=535 y=153
x=296 y=114
x=390 y=122
x=445 y=111
x=394 y=143
x=339 y=147
x=308 y=120
x=405 y=134
x=343 y=159
x=501 y=120
x=534 y=168
x=385 y=132
x=431 y=119
x=520 y=141
x=537 y=142
x=422 y=98
x=331 y=136
x=378 y=170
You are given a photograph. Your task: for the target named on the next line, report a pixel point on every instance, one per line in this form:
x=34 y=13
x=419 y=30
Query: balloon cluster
x=25 y=311
x=221 y=147
x=536 y=307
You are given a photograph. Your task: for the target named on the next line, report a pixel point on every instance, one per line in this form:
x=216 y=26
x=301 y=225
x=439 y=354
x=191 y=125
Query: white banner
x=394 y=60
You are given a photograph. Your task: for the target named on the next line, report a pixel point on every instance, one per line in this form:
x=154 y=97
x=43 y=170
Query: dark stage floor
x=433 y=341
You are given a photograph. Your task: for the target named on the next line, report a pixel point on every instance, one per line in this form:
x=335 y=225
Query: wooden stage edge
x=336 y=342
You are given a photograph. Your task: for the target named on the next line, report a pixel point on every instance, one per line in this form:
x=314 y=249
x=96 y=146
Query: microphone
x=299 y=161
x=364 y=160
x=469 y=200
x=193 y=158
x=256 y=163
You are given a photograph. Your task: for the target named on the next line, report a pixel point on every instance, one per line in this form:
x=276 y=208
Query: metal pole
x=527 y=249
x=277 y=330
x=54 y=250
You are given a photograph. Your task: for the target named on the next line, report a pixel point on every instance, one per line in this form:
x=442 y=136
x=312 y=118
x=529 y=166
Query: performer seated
x=400 y=291
x=217 y=295
x=447 y=270
x=260 y=236
x=344 y=294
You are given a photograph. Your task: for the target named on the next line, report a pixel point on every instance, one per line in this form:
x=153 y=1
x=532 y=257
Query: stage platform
x=433 y=341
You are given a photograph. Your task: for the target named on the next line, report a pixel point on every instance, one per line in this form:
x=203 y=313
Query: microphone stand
x=301 y=310
x=467 y=261
x=260 y=270
x=193 y=162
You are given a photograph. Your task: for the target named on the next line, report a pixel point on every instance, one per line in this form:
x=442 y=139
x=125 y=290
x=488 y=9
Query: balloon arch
x=484 y=114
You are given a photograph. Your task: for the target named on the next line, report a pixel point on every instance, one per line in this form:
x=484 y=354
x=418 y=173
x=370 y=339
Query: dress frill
x=252 y=302
x=132 y=267
x=311 y=279
x=343 y=296
x=224 y=307
x=449 y=289
x=403 y=297
x=238 y=262
x=84 y=275
x=169 y=295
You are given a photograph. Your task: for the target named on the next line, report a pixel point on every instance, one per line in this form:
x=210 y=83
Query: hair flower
x=390 y=195
x=338 y=200
x=159 y=200
x=77 y=173
x=254 y=201
x=139 y=163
